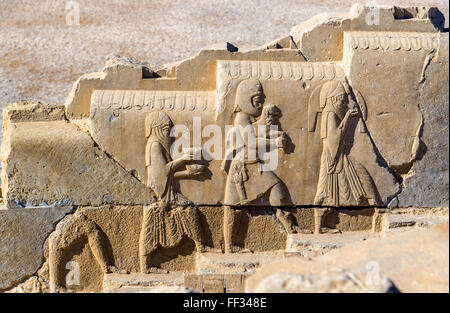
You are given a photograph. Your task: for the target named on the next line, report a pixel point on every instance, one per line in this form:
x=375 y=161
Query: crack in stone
x=23 y=279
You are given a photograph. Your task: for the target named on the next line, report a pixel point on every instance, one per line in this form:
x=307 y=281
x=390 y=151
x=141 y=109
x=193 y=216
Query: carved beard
x=339 y=110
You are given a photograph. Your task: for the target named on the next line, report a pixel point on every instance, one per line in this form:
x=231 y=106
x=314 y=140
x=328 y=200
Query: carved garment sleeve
x=158 y=171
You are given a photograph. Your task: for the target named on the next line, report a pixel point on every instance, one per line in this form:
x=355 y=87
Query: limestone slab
x=134 y=282
x=426 y=185
x=310 y=246
x=22 y=237
x=54 y=162
x=370 y=56
x=411 y=261
x=211 y=263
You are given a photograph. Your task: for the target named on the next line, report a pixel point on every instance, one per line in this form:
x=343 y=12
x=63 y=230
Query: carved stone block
x=196 y=174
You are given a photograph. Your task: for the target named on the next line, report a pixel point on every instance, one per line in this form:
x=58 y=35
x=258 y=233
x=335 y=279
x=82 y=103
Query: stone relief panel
x=229 y=71
x=173 y=216
x=285 y=88
x=343 y=181
x=294 y=89
x=118 y=119
x=230 y=151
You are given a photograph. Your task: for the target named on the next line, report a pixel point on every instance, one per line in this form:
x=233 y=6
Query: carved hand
x=189 y=154
x=281 y=141
x=353 y=112
x=195 y=174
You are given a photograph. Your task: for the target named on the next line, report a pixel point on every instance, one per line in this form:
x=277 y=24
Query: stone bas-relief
x=173 y=216
x=194 y=175
x=342 y=180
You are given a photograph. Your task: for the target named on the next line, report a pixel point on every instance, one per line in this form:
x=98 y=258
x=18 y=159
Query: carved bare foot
x=154 y=270
x=115 y=270
x=208 y=249
x=326 y=230
x=294 y=229
x=200 y=247
x=236 y=249
x=110 y=269
x=203 y=248
x=304 y=231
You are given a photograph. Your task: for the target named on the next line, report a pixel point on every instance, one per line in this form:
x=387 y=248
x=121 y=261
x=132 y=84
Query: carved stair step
x=312 y=245
x=234 y=263
x=136 y=282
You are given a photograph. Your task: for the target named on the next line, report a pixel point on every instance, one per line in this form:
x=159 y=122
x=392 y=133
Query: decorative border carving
x=194 y=101
x=227 y=71
x=394 y=41
x=268 y=70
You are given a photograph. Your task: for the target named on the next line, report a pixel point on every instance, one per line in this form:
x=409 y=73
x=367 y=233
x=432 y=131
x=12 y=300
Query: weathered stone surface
x=414 y=261
x=113 y=234
x=114 y=231
x=54 y=162
x=320 y=38
x=426 y=184
x=391 y=104
x=243 y=263
x=120 y=249
x=124 y=96
x=310 y=246
x=174 y=76
x=118 y=71
x=118 y=118
x=26 y=111
x=292 y=148
x=403 y=219
x=327 y=281
x=22 y=237
x=141 y=282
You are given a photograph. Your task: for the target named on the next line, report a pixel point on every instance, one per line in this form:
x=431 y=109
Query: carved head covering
x=154 y=123
x=244 y=93
x=331 y=89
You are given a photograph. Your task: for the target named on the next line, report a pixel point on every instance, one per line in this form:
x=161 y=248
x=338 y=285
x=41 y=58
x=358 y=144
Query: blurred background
x=44 y=48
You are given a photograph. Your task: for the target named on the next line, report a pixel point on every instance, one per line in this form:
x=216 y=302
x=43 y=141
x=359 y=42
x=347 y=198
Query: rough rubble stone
x=412 y=261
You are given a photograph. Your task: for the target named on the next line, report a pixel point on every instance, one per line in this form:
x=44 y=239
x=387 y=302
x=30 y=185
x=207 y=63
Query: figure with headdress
x=173 y=216
x=343 y=181
x=247 y=182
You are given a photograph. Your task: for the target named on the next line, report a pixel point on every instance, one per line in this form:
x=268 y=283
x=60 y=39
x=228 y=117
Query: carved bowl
x=195 y=168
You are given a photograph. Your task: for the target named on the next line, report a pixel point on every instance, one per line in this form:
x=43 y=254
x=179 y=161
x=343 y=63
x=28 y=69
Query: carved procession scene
x=229 y=156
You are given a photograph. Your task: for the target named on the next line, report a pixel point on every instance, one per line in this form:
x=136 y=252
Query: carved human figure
x=246 y=180
x=72 y=230
x=270 y=117
x=342 y=180
x=173 y=216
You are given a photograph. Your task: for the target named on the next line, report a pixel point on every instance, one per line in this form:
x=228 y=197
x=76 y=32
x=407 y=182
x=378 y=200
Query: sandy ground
x=41 y=55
